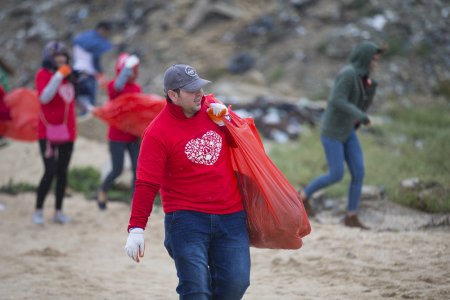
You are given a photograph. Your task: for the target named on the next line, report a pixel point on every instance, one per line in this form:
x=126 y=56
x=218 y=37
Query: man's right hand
x=216 y=112
x=135 y=245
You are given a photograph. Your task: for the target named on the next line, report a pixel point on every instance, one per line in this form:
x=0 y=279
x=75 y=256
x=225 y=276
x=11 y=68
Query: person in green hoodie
x=351 y=96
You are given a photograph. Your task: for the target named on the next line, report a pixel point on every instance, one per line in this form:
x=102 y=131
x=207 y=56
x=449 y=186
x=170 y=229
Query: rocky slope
x=285 y=48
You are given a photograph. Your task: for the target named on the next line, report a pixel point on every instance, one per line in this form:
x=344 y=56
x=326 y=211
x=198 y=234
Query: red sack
x=131 y=112
x=276 y=217
x=24 y=110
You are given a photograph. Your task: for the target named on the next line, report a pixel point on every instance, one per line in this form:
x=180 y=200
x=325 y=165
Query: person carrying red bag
x=120 y=141
x=4 y=110
x=186 y=157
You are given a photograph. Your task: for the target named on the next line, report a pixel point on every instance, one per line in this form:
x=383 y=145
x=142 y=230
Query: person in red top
x=185 y=156
x=4 y=110
x=57 y=126
x=120 y=141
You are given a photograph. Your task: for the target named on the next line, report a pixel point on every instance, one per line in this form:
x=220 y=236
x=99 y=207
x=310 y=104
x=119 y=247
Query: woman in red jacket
x=57 y=126
x=4 y=110
x=120 y=141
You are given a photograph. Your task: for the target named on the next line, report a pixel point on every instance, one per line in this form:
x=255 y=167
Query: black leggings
x=58 y=165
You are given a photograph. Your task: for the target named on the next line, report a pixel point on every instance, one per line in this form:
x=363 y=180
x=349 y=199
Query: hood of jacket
x=362 y=55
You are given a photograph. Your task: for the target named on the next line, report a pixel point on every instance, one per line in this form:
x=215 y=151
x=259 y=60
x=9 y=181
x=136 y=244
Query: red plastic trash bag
x=276 y=217
x=131 y=112
x=24 y=109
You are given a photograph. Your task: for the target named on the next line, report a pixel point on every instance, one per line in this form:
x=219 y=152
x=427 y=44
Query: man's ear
x=173 y=96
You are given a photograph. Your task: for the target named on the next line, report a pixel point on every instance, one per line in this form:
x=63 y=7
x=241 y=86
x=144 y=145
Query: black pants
x=117 y=150
x=57 y=164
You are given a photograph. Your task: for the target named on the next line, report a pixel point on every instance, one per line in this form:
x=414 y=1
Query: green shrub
x=276 y=74
x=443 y=89
x=16 y=188
x=84 y=180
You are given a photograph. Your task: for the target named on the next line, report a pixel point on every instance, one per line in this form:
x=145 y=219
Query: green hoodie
x=349 y=100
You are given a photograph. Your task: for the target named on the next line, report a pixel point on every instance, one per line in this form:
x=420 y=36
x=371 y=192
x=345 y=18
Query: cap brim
x=196 y=85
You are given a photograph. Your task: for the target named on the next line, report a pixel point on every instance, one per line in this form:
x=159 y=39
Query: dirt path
x=399 y=259
x=86 y=260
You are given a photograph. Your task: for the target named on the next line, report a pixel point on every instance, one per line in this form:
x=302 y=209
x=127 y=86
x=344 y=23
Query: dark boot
x=307 y=204
x=102 y=199
x=353 y=221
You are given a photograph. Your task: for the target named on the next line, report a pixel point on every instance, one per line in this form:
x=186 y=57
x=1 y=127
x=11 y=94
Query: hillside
x=293 y=48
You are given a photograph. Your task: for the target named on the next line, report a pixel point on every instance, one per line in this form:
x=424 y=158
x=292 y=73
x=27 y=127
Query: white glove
x=131 y=61
x=218 y=111
x=135 y=245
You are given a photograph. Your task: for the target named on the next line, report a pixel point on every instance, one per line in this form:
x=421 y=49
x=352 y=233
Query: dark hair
x=106 y=25
x=176 y=91
x=50 y=50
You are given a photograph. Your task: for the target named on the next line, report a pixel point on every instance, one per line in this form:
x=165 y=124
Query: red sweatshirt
x=114 y=133
x=54 y=110
x=189 y=159
x=4 y=110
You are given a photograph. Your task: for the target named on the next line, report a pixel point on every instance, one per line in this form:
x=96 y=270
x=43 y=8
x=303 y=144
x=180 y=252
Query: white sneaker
x=61 y=218
x=38 y=217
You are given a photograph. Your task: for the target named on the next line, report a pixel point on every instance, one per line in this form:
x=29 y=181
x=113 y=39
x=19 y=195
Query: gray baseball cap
x=183 y=77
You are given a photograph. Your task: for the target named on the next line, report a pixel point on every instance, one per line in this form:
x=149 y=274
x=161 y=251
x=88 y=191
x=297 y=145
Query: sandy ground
x=402 y=257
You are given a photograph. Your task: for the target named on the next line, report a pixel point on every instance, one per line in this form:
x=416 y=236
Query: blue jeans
x=117 y=150
x=211 y=254
x=337 y=152
x=86 y=92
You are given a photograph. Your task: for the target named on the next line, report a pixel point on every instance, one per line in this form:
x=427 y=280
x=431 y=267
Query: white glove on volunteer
x=216 y=112
x=131 y=61
x=135 y=245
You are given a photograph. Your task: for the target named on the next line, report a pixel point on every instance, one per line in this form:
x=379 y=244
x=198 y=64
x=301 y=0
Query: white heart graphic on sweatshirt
x=66 y=92
x=204 y=150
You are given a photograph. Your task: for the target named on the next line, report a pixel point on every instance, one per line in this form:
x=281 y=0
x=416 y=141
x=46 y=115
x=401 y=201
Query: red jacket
x=53 y=111
x=189 y=159
x=4 y=110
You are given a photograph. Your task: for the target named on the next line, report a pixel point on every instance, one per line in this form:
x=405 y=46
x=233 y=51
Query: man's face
x=190 y=102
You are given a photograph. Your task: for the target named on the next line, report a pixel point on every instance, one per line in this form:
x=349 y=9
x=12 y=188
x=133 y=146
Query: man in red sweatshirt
x=185 y=156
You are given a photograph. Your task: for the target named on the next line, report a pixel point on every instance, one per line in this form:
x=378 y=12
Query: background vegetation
x=409 y=143
x=406 y=142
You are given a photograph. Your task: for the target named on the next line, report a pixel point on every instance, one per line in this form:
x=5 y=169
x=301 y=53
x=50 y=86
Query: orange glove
x=216 y=112
x=65 y=70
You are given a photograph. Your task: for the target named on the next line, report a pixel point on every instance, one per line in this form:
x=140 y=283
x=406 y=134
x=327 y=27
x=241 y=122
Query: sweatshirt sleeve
x=51 y=88
x=122 y=79
x=143 y=198
x=149 y=173
x=341 y=93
